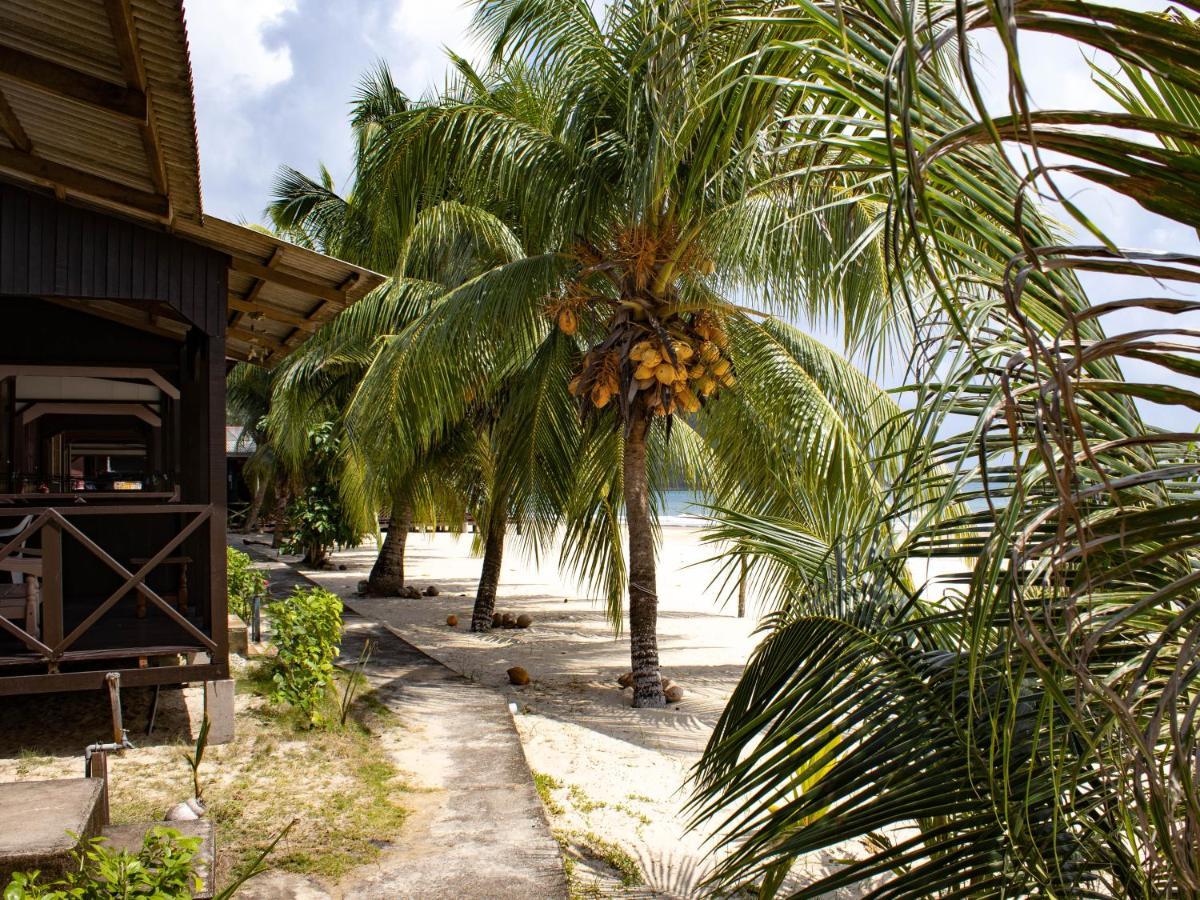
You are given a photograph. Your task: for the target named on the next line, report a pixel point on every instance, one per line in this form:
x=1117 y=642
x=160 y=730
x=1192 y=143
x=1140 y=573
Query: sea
x=682 y=509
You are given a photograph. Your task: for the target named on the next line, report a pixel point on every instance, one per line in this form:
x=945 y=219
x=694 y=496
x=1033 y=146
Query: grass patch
x=338 y=783
x=634 y=814
x=581 y=801
x=591 y=846
x=544 y=784
x=29 y=759
x=613 y=855
x=577 y=887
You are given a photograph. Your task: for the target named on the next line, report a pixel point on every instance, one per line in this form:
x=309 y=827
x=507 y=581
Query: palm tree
x=1034 y=719
x=248 y=398
x=647 y=201
x=485 y=461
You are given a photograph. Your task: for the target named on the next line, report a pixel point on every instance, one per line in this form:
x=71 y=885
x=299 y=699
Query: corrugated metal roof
x=96 y=102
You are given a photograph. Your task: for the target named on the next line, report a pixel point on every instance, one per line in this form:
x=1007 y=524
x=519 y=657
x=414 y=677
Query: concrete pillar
x=218 y=706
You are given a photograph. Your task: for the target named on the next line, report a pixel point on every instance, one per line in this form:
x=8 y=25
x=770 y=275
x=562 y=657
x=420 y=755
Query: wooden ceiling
x=96 y=104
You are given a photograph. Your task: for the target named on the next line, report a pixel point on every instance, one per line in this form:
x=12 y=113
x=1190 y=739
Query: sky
x=274 y=80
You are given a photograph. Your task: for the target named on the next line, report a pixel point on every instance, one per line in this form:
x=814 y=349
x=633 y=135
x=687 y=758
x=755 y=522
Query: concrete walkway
x=477 y=828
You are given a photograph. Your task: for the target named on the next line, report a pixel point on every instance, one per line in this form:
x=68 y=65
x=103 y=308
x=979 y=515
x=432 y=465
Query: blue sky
x=274 y=79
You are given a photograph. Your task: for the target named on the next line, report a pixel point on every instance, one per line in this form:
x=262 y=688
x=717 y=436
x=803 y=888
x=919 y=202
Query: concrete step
x=38 y=819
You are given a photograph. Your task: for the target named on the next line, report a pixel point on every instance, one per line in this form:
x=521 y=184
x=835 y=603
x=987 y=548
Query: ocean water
x=682 y=509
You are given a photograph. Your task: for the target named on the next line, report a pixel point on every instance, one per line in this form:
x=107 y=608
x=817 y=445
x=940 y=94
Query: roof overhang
x=96 y=104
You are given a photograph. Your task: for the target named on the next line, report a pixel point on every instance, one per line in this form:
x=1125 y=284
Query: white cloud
x=233 y=64
x=425 y=29
x=229 y=48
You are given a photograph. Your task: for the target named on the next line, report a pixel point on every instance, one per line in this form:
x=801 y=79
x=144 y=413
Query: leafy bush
x=164 y=869
x=245 y=583
x=317 y=519
x=306 y=629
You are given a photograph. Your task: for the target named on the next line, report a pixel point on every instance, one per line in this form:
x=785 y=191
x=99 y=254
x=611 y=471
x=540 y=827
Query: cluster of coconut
x=672 y=691
x=672 y=374
x=404 y=592
x=511 y=620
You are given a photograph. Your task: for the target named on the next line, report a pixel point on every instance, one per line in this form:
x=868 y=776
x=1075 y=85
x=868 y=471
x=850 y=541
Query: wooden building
x=121 y=304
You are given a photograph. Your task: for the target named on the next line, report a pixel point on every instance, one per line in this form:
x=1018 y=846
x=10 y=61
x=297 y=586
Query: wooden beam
x=119 y=99
x=252 y=337
x=120 y=20
x=270 y=312
x=37 y=410
x=84 y=183
x=11 y=126
x=122 y=315
x=303 y=285
x=124 y=373
x=255 y=289
x=317 y=316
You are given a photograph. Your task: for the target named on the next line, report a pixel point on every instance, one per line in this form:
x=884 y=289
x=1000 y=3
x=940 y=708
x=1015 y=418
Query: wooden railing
x=51 y=524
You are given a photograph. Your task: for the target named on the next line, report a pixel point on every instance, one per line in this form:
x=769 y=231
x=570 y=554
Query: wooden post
x=98 y=768
x=52 y=588
x=742 y=590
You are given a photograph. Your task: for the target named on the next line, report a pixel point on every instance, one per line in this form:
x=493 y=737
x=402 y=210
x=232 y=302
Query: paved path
x=477 y=829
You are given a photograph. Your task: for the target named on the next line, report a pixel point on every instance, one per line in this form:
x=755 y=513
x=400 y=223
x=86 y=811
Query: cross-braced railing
x=49 y=642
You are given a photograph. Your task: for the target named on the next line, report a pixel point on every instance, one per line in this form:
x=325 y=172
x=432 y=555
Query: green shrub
x=245 y=583
x=164 y=869
x=317 y=518
x=306 y=629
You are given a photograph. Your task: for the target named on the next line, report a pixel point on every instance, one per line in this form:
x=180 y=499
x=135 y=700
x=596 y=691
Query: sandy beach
x=610 y=772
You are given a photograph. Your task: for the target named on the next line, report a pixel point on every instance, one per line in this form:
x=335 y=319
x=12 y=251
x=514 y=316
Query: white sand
x=623 y=772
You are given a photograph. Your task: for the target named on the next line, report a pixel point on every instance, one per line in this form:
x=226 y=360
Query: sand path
x=614 y=773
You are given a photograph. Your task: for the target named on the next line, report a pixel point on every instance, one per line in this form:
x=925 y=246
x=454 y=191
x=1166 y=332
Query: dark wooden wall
x=52 y=249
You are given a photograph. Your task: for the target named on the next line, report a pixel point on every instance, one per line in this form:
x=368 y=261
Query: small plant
x=355 y=678
x=246 y=584
x=614 y=855
x=306 y=630
x=544 y=784
x=163 y=869
x=194 y=758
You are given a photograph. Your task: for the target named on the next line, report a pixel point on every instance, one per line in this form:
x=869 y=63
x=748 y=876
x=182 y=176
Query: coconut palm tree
x=1029 y=727
x=248 y=399
x=484 y=461
x=649 y=204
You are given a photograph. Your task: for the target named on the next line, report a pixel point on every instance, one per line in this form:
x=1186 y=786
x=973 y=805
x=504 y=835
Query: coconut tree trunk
x=256 y=505
x=643 y=588
x=489 y=580
x=742 y=590
x=282 y=495
x=387 y=575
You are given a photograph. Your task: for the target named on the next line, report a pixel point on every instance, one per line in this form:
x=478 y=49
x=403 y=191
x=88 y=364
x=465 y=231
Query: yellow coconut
x=645 y=383
x=709 y=352
x=643 y=371
x=568 y=322
x=665 y=373
x=720 y=367
x=651 y=358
